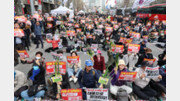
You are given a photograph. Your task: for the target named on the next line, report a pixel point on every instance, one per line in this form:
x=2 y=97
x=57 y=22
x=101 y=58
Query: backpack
x=122 y=95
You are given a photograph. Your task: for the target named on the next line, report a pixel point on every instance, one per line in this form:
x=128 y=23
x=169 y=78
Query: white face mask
x=38 y=58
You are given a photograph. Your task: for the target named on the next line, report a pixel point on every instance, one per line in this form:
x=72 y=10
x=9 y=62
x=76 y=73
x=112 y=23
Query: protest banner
x=28 y=22
x=57 y=78
x=155 y=33
x=148 y=24
x=133 y=48
x=36 y=16
x=122 y=39
x=145 y=37
x=137 y=35
x=130 y=76
x=117 y=48
x=70 y=24
x=78 y=29
x=20 y=18
x=100 y=26
x=72 y=59
x=23 y=53
x=114 y=22
x=71 y=33
x=109 y=29
x=49 y=36
x=150 y=61
x=49 y=25
x=97 y=94
x=116 y=26
x=103 y=80
x=88 y=36
x=49 y=19
x=18 y=32
x=133 y=22
x=58 y=22
x=129 y=40
x=152 y=72
x=76 y=25
x=71 y=94
x=83 y=21
x=50 y=67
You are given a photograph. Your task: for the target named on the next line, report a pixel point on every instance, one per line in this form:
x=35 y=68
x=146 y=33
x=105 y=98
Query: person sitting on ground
x=20 y=84
x=74 y=69
x=88 y=78
x=37 y=90
x=141 y=85
x=115 y=82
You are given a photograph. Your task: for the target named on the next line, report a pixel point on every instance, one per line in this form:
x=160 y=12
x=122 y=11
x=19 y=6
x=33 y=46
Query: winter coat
x=99 y=65
x=20 y=80
x=54 y=43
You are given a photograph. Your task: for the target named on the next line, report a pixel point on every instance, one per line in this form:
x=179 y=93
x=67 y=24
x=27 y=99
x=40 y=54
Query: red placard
x=76 y=25
x=130 y=76
x=116 y=26
x=71 y=94
x=18 y=32
x=122 y=39
x=49 y=25
x=50 y=67
x=82 y=21
x=129 y=40
x=88 y=36
x=49 y=19
x=137 y=35
x=100 y=26
x=150 y=61
x=71 y=33
x=72 y=59
x=23 y=53
x=21 y=18
x=78 y=30
x=145 y=37
x=133 y=48
x=37 y=16
x=118 y=48
x=70 y=24
x=109 y=29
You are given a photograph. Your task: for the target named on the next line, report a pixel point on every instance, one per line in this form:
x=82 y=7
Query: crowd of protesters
x=80 y=33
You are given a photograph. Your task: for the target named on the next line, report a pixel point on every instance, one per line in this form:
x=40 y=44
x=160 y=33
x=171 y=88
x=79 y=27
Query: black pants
x=144 y=93
x=39 y=38
x=18 y=92
x=51 y=49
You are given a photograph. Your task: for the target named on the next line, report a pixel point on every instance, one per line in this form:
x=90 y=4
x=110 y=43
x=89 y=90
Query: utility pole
x=32 y=6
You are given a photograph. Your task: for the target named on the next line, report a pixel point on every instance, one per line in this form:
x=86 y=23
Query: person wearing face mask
x=115 y=82
x=142 y=86
x=148 y=55
x=39 y=60
x=37 y=90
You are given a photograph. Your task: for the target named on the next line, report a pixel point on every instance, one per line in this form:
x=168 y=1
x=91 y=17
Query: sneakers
x=70 y=79
x=75 y=79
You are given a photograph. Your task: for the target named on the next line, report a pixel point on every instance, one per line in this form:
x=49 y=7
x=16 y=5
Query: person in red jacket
x=55 y=45
x=99 y=62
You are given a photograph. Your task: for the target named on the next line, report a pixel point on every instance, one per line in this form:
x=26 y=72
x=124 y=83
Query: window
x=158 y=10
x=144 y=10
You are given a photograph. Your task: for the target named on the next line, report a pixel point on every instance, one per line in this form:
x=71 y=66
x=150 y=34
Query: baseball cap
x=89 y=63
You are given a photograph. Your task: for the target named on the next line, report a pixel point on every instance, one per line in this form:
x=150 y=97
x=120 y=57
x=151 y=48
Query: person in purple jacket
x=115 y=83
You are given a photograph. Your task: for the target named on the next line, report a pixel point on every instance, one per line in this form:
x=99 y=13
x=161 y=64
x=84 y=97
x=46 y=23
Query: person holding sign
x=39 y=60
x=115 y=82
x=141 y=85
x=74 y=69
x=99 y=62
x=88 y=78
x=18 y=39
x=54 y=44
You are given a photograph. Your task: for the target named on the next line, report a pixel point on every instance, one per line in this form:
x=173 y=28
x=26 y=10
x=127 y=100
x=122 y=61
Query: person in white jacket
x=141 y=85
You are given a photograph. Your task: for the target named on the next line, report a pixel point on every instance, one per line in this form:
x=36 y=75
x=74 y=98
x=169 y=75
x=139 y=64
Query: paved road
x=26 y=67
